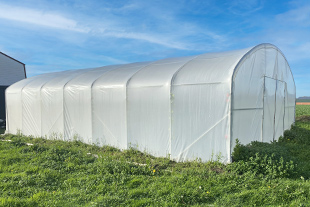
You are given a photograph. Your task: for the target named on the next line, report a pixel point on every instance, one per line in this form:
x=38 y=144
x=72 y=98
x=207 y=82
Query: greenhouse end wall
x=263 y=96
x=185 y=108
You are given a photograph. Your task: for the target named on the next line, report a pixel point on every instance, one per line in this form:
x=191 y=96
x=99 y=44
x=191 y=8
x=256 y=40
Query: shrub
x=266 y=166
x=268 y=160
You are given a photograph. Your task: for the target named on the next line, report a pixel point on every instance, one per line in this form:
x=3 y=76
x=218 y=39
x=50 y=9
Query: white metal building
x=188 y=108
x=11 y=71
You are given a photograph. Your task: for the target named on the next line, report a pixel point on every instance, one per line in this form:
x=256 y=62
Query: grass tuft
x=40 y=172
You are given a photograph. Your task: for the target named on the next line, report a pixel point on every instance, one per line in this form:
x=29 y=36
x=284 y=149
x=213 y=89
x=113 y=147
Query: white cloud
x=241 y=7
x=38 y=17
x=33 y=70
x=59 y=21
x=301 y=52
x=151 y=38
x=112 y=60
x=296 y=17
x=172 y=33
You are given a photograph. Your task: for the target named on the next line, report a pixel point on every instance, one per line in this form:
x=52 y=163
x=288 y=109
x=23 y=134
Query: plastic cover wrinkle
x=201 y=136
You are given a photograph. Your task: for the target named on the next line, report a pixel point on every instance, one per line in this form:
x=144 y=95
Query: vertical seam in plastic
x=91 y=98
x=275 y=97
x=40 y=92
x=21 y=99
x=292 y=77
x=263 y=115
x=264 y=91
x=170 y=98
x=63 y=98
x=126 y=88
x=40 y=100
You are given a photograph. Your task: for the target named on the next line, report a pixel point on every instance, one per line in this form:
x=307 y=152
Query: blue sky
x=55 y=35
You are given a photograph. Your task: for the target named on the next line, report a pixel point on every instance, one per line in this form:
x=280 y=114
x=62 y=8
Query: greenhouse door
x=273 y=117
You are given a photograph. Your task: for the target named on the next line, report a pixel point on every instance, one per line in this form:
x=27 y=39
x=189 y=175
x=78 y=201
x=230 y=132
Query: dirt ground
x=303 y=103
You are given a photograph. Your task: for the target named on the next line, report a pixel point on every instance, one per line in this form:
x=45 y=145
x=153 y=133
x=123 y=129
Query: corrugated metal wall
x=11 y=71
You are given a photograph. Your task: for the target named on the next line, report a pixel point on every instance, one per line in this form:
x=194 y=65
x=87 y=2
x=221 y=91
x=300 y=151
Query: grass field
x=38 y=172
x=302 y=110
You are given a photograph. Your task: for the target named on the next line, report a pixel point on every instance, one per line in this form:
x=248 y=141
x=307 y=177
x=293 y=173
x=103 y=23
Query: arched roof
x=205 y=68
x=255 y=49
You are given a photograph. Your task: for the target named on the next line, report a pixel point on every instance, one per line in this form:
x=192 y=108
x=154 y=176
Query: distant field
x=302 y=100
x=302 y=103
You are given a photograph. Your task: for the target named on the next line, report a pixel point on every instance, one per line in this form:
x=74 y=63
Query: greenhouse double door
x=274 y=109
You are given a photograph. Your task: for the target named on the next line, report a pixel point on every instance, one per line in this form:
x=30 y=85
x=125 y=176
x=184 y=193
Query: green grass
x=302 y=110
x=56 y=173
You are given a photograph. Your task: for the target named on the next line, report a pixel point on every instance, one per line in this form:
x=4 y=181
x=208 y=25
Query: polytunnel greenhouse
x=185 y=108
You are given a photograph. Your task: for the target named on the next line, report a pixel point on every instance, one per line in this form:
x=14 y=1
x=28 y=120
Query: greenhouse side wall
x=176 y=107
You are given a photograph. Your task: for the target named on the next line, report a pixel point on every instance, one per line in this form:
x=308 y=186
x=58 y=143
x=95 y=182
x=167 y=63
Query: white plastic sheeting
x=185 y=108
x=263 y=93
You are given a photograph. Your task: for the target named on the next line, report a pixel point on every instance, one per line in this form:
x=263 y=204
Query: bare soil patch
x=305 y=118
x=303 y=103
